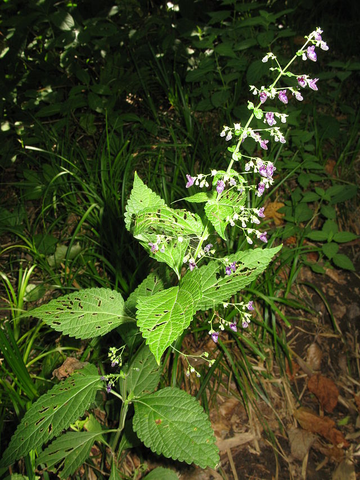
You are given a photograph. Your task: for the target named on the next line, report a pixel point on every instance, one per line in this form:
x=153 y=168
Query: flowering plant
x=167 y=420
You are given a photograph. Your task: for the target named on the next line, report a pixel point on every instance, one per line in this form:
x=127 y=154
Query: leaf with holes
x=86 y=314
x=68 y=452
x=219 y=211
x=53 y=413
x=173 y=424
x=148 y=287
x=141 y=197
x=144 y=373
x=171 y=252
x=166 y=221
x=164 y=316
x=218 y=287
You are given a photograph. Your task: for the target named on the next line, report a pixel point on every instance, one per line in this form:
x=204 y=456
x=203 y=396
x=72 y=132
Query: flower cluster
x=224 y=182
x=244 y=310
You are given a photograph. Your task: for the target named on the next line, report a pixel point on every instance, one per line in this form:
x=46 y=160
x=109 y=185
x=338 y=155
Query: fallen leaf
x=291 y=372
x=324 y=426
x=333 y=453
x=313 y=356
x=345 y=471
x=300 y=442
x=330 y=165
x=271 y=211
x=68 y=367
x=325 y=390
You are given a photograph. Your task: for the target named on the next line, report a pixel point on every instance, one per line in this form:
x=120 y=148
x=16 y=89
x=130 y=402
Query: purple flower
x=311 y=54
x=269 y=117
x=261 y=212
x=190 y=181
x=220 y=186
x=301 y=81
x=261 y=189
x=233 y=327
x=208 y=247
x=270 y=169
x=245 y=324
x=262 y=170
x=299 y=97
x=282 y=96
x=263 y=144
x=263 y=97
x=250 y=305
x=233 y=266
x=108 y=388
x=114 y=363
x=263 y=237
x=192 y=265
x=228 y=270
x=228 y=136
x=312 y=84
x=215 y=336
x=154 y=247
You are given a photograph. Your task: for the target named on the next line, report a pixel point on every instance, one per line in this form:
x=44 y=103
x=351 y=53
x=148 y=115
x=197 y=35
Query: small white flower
x=180 y=239
x=237 y=126
x=213 y=173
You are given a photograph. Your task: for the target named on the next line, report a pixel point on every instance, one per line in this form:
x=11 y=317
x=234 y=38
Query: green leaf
x=220 y=97
x=265 y=38
x=141 y=197
x=166 y=221
x=69 y=451
x=302 y=213
x=144 y=373
x=164 y=316
x=217 y=287
x=218 y=210
x=172 y=423
x=115 y=474
x=63 y=20
x=148 y=287
x=255 y=72
x=53 y=413
x=343 y=237
x=304 y=180
x=342 y=261
x=328 y=211
x=330 y=227
x=346 y=192
x=330 y=249
x=85 y=314
x=201 y=197
x=310 y=197
x=161 y=473
x=318 y=236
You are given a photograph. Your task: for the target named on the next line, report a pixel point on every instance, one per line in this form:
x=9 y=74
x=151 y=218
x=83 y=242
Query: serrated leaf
x=53 y=412
x=148 y=287
x=318 y=236
x=343 y=237
x=173 y=424
x=342 y=261
x=69 y=451
x=330 y=249
x=141 y=197
x=85 y=314
x=168 y=221
x=304 y=179
x=161 y=473
x=201 y=197
x=218 y=210
x=218 y=287
x=164 y=316
x=173 y=252
x=144 y=373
